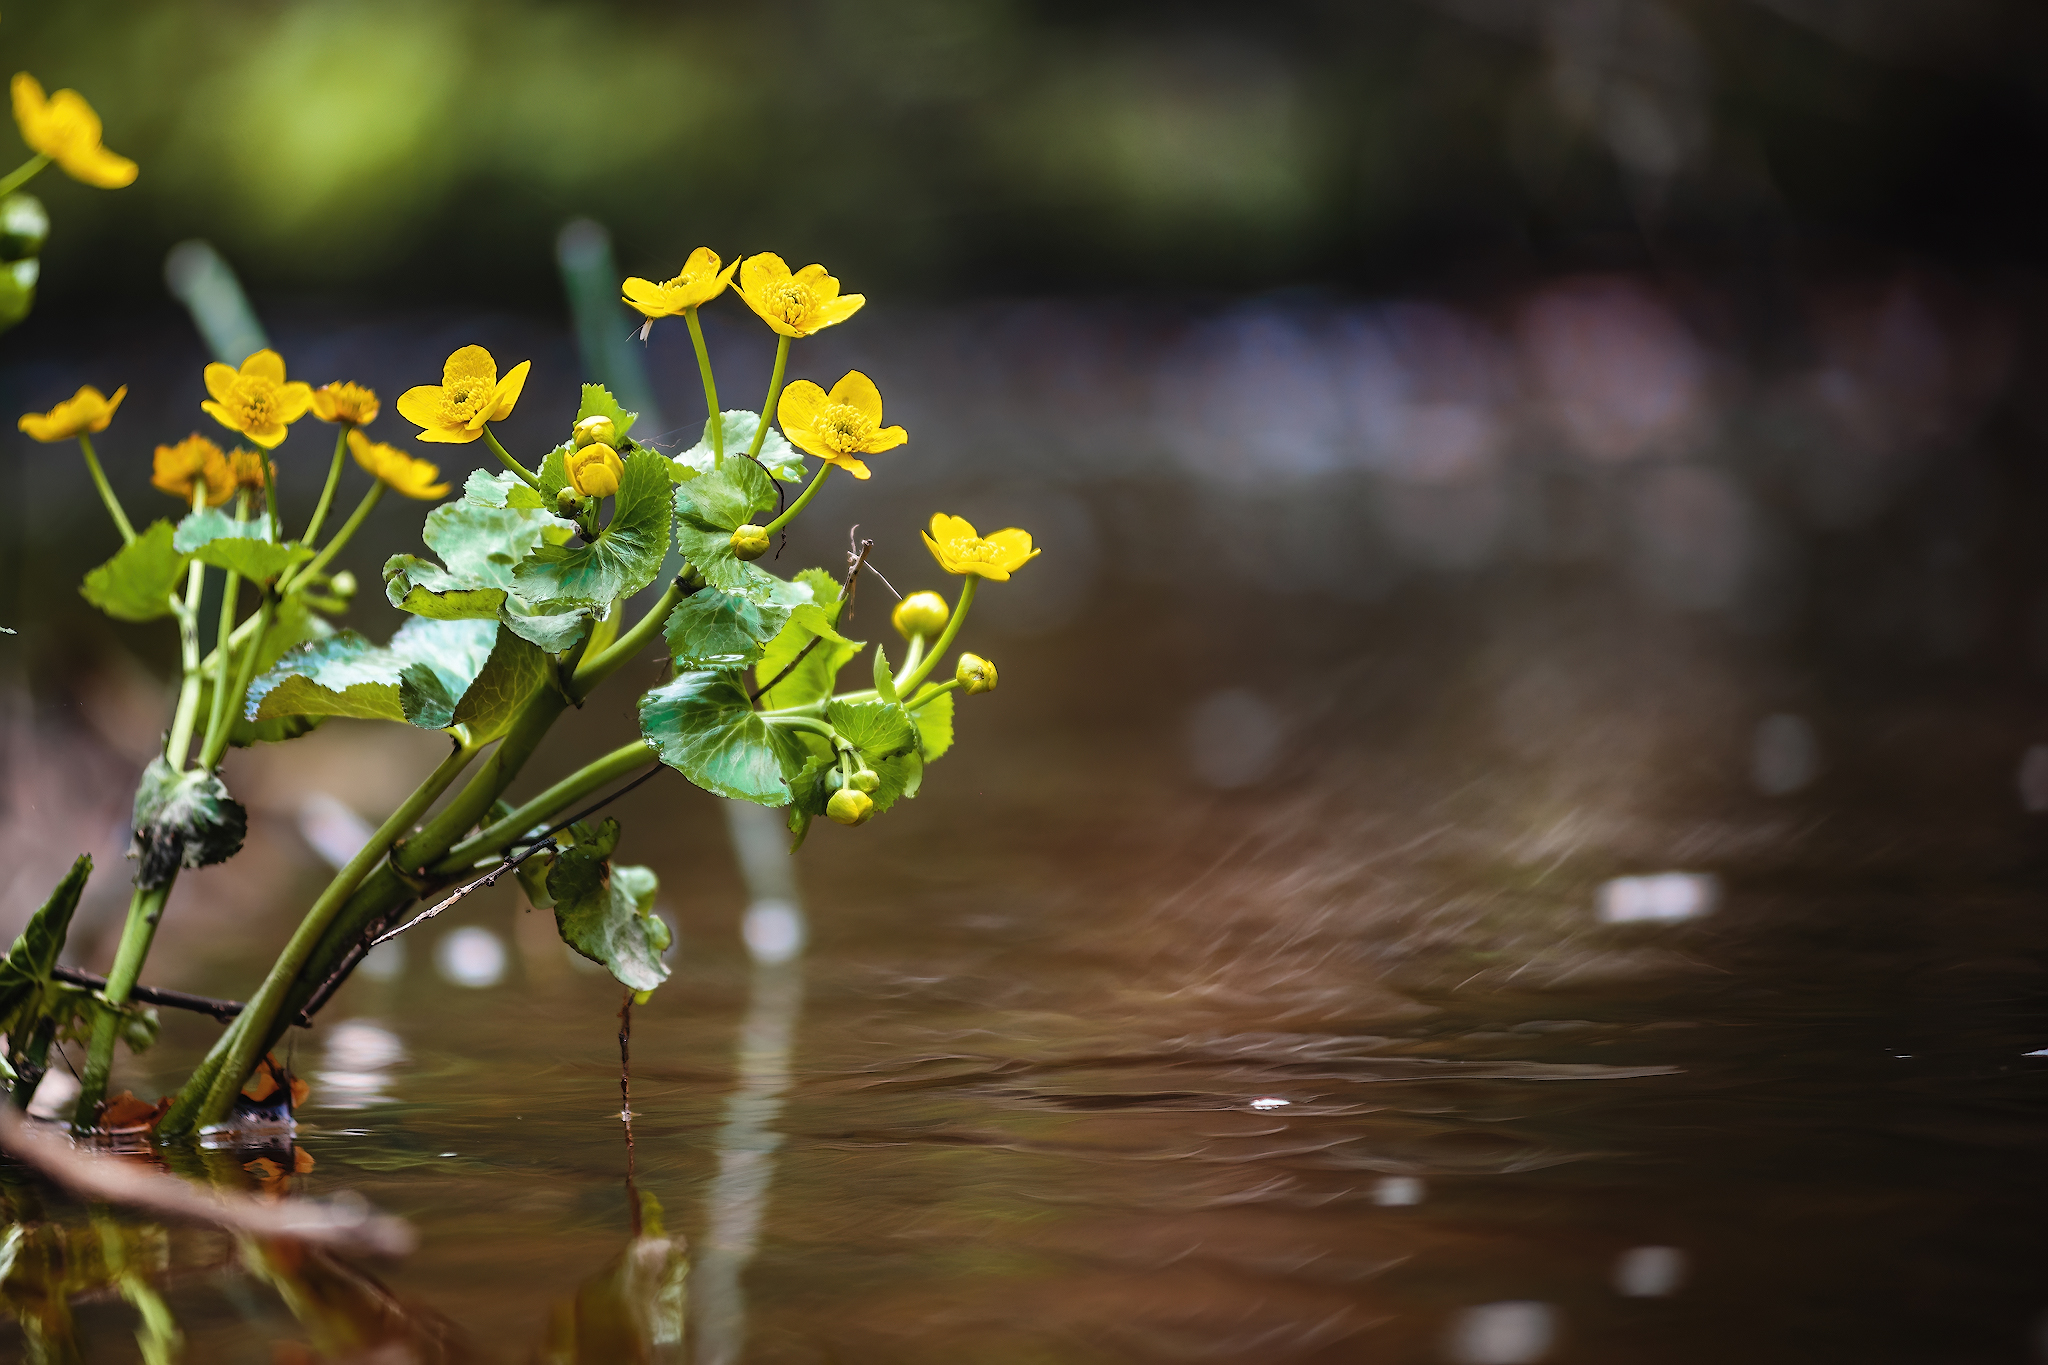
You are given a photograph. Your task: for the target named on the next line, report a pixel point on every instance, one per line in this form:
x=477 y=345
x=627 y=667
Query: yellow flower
x=179 y=467
x=595 y=470
x=700 y=282
x=351 y=404
x=414 y=478
x=794 y=305
x=959 y=549
x=86 y=410
x=65 y=129
x=839 y=425
x=255 y=400
x=470 y=394
x=247 y=468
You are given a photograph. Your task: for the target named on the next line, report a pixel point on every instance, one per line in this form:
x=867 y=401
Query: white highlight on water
x=1660 y=898
x=471 y=956
x=1513 y=1332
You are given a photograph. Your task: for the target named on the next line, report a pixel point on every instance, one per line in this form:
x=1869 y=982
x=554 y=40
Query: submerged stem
x=145 y=908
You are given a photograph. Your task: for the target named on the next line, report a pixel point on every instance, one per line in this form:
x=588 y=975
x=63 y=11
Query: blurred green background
x=427 y=152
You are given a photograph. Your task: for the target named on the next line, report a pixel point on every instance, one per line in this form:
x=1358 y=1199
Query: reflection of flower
x=179 y=467
x=795 y=305
x=470 y=394
x=595 y=470
x=954 y=543
x=699 y=282
x=86 y=410
x=412 y=477
x=65 y=129
x=255 y=400
x=351 y=404
x=839 y=425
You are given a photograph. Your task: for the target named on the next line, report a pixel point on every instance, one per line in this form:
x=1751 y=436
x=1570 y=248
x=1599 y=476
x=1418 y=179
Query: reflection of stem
x=626 y=1102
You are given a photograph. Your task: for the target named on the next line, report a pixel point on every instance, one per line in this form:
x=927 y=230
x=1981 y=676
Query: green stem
x=790 y=722
x=99 y=479
x=217 y=741
x=491 y=438
x=810 y=491
x=348 y=529
x=327 y=493
x=269 y=496
x=249 y=1036
x=911 y=659
x=22 y=174
x=774 y=391
x=225 y=649
x=595 y=670
x=931 y=694
x=604 y=631
x=187 y=714
x=145 y=909
x=710 y=389
x=501 y=834
x=924 y=669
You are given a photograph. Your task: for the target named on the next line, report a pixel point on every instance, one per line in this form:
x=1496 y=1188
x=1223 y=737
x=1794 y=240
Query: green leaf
x=901 y=776
x=502 y=489
x=606 y=912
x=598 y=402
x=709 y=508
x=622 y=560
x=25 y=971
x=515 y=668
x=782 y=459
x=702 y=725
x=554 y=473
x=418 y=678
x=137 y=583
x=714 y=629
x=482 y=545
x=183 y=819
x=213 y=537
x=935 y=726
x=816 y=672
x=885 y=680
x=879 y=729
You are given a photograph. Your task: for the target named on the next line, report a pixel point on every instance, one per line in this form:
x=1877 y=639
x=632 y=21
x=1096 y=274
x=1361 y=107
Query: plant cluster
x=518 y=615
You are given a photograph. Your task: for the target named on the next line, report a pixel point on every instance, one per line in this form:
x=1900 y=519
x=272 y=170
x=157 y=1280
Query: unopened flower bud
x=658 y=933
x=342 y=584
x=598 y=430
x=866 y=780
x=921 y=613
x=850 y=807
x=976 y=674
x=750 y=542
x=595 y=470
x=568 y=501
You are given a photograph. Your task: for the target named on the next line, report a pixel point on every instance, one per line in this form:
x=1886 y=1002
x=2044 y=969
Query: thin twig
x=223 y=1010
x=488 y=879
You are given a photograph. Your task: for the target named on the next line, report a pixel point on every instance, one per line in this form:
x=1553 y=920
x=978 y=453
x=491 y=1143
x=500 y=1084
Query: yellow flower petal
x=506 y=395
x=220 y=381
x=467 y=365
x=296 y=398
x=445 y=436
x=421 y=405
x=858 y=392
x=265 y=364
x=850 y=465
x=800 y=404
x=888 y=438
x=84 y=411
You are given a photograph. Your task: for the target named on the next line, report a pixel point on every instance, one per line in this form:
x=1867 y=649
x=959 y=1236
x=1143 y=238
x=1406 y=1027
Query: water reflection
x=357 y=1066
x=471 y=956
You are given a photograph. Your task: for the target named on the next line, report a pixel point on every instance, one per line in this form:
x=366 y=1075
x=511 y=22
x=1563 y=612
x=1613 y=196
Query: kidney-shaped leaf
x=137 y=583
x=703 y=726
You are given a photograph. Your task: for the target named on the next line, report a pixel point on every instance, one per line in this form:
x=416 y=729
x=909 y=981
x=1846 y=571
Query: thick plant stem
x=22 y=174
x=145 y=908
x=187 y=715
x=99 y=480
x=217 y=740
x=499 y=835
x=774 y=391
x=716 y=419
x=220 y=717
x=596 y=668
x=923 y=670
x=505 y=456
x=250 y=1036
x=348 y=529
x=327 y=493
x=810 y=491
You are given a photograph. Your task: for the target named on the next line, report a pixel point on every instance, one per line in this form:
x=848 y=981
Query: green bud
x=24 y=227
x=749 y=542
x=658 y=935
x=866 y=780
x=342 y=584
x=850 y=807
x=921 y=613
x=598 y=430
x=976 y=674
x=568 y=501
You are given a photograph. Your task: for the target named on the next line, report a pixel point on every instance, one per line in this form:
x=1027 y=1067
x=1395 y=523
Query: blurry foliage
x=931 y=146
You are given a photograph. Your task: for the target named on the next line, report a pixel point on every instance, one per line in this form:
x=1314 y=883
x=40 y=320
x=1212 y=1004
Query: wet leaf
x=777 y=454
x=295 y=623
x=213 y=537
x=137 y=583
x=514 y=669
x=419 y=678
x=709 y=508
x=818 y=671
x=703 y=726
x=481 y=545
x=715 y=629
x=503 y=489
x=622 y=560
x=183 y=819
x=606 y=912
